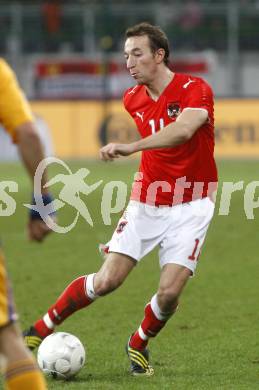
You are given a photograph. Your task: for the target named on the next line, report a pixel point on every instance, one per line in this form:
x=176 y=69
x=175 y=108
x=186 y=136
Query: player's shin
x=153 y=321
x=79 y=294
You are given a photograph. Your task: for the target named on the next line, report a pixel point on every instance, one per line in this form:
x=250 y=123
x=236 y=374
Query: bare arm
x=31 y=152
x=177 y=133
x=30 y=149
x=17 y=119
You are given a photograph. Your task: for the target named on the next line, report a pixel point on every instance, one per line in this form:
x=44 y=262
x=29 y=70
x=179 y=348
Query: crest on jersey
x=173 y=110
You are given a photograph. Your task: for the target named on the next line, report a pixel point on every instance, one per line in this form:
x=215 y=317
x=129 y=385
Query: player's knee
x=9 y=331
x=11 y=342
x=106 y=285
x=168 y=298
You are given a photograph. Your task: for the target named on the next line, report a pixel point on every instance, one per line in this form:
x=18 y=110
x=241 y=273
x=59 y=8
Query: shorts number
x=193 y=255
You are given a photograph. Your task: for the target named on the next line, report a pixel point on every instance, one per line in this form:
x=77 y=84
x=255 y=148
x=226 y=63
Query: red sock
x=150 y=327
x=42 y=329
x=73 y=298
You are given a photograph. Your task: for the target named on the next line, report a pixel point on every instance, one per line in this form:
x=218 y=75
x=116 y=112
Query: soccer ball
x=61 y=355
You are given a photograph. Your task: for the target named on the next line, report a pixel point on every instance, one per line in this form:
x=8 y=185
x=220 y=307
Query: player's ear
x=160 y=55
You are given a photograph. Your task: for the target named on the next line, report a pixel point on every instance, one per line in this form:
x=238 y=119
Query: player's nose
x=130 y=63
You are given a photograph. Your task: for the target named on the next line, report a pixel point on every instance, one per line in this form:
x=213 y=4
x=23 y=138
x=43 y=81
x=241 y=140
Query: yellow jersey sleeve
x=14 y=107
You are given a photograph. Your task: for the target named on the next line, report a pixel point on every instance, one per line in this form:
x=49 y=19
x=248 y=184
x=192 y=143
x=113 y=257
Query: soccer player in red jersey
x=171 y=203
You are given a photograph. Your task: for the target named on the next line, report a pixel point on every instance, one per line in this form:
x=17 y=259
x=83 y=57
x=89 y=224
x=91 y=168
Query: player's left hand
x=111 y=151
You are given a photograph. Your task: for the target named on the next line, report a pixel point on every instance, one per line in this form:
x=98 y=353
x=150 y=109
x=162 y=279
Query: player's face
x=141 y=62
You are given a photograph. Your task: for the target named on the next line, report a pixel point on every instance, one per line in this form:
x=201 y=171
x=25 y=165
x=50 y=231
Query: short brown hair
x=156 y=36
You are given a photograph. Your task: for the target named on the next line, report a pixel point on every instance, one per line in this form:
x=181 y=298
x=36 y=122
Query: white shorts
x=179 y=231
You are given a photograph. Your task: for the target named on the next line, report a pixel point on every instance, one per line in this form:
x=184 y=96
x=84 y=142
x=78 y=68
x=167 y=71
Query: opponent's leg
x=21 y=372
x=79 y=294
x=17 y=364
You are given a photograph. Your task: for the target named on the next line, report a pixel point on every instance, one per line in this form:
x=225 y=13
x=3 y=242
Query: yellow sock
x=24 y=375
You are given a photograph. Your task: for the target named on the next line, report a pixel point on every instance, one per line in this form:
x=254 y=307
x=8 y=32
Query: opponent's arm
x=17 y=119
x=31 y=152
x=176 y=133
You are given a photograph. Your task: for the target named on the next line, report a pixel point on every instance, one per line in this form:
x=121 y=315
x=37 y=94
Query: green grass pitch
x=213 y=340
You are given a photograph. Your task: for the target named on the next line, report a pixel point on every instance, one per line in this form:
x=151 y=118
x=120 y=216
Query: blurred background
x=68 y=57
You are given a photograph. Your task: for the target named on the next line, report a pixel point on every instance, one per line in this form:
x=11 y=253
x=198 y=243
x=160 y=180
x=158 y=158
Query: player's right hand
x=111 y=151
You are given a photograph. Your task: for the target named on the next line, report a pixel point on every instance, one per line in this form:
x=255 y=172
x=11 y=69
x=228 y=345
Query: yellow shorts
x=7 y=307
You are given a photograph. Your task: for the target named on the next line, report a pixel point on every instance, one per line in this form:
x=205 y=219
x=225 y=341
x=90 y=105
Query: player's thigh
x=185 y=237
x=140 y=230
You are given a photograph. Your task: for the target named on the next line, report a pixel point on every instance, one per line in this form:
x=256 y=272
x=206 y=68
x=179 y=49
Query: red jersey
x=185 y=172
